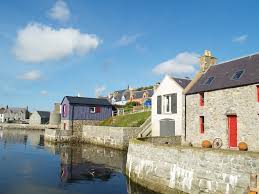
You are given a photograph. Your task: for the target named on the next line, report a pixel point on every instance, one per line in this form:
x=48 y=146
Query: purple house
x=79 y=111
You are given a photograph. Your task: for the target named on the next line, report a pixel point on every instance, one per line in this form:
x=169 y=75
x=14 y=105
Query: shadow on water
x=63 y=168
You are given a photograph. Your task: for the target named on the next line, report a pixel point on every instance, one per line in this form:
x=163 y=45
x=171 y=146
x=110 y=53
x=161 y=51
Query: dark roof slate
x=224 y=72
x=182 y=82
x=88 y=101
x=44 y=114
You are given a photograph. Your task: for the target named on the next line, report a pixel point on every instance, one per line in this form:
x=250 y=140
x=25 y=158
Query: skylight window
x=237 y=75
x=208 y=81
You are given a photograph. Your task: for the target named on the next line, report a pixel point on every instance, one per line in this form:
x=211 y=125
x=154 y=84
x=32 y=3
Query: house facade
x=39 y=117
x=79 y=111
x=16 y=114
x=2 y=115
x=223 y=104
x=168 y=107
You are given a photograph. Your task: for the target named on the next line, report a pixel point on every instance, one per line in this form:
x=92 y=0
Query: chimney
x=207 y=60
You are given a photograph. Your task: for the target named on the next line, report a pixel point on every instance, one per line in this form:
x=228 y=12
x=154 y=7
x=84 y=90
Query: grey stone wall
x=170 y=140
x=241 y=101
x=114 y=137
x=166 y=168
x=57 y=135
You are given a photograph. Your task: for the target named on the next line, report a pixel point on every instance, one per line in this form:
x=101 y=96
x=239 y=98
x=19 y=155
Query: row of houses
x=220 y=103
x=10 y=114
x=141 y=96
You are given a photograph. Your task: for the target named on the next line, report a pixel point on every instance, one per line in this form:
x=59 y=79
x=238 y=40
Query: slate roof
x=182 y=81
x=2 y=110
x=44 y=114
x=223 y=74
x=88 y=101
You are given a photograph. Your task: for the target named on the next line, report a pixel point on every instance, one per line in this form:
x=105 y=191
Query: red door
x=232 y=131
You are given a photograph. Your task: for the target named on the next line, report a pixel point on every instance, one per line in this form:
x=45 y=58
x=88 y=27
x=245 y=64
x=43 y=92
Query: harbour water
x=29 y=165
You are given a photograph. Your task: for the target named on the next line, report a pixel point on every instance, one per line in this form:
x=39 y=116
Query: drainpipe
x=72 y=119
x=185 y=117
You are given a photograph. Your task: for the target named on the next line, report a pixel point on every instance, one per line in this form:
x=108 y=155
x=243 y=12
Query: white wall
x=168 y=86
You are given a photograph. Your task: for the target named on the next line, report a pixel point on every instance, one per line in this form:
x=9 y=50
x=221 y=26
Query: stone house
x=223 y=103
x=39 y=117
x=2 y=115
x=79 y=111
x=168 y=107
x=16 y=114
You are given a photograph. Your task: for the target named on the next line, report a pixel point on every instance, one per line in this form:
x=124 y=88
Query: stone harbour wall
x=57 y=135
x=167 y=168
x=114 y=137
x=241 y=101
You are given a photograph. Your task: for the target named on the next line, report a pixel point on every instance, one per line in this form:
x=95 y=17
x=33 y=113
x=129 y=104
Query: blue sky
x=49 y=48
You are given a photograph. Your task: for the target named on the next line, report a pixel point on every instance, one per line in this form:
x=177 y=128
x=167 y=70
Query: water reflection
x=61 y=168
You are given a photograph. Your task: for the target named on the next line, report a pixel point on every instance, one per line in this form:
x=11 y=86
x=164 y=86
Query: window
x=208 y=81
x=202 y=124
x=98 y=109
x=167 y=104
x=64 y=110
x=257 y=92
x=92 y=109
x=237 y=75
x=202 y=99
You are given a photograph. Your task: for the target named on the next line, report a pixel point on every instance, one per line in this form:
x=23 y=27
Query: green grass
x=130 y=120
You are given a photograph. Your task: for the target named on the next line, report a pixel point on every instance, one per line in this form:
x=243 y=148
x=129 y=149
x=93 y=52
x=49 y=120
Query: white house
x=168 y=107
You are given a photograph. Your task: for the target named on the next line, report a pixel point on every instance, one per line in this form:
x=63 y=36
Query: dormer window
x=208 y=81
x=237 y=75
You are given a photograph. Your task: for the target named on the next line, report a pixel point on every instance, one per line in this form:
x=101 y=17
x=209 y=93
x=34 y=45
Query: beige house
x=222 y=104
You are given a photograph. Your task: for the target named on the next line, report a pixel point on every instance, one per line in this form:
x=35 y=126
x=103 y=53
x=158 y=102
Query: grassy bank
x=130 y=120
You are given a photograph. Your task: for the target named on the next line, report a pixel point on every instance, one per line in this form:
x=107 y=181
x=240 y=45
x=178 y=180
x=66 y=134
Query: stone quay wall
x=26 y=126
x=166 y=168
x=57 y=135
x=114 y=137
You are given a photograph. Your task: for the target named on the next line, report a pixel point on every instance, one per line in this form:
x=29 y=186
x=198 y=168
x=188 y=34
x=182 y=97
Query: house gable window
x=170 y=103
x=92 y=110
x=202 y=99
x=202 y=124
x=64 y=110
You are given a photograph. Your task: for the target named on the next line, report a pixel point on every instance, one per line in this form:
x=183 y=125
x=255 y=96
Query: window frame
x=202 y=128
x=92 y=111
x=201 y=94
x=242 y=73
x=167 y=98
x=257 y=93
x=206 y=82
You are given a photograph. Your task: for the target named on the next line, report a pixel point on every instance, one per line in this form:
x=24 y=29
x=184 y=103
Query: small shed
x=39 y=117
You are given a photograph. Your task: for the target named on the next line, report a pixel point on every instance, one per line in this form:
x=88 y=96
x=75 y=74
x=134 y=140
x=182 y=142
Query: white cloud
x=39 y=43
x=240 y=39
x=125 y=40
x=184 y=62
x=44 y=92
x=59 y=11
x=99 y=90
x=31 y=75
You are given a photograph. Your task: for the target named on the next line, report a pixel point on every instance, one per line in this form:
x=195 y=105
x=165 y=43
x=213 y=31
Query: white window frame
x=167 y=97
x=94 y=110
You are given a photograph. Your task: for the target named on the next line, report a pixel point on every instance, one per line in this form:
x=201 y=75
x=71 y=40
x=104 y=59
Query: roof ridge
x=235 y=59
x=174 y=77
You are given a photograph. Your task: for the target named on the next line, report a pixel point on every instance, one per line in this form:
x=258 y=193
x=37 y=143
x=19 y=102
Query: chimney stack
x=207 y=60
